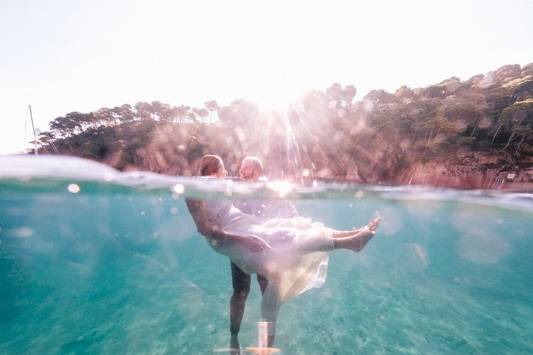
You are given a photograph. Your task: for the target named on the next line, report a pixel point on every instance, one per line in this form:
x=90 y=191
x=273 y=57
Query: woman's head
x=212 y=165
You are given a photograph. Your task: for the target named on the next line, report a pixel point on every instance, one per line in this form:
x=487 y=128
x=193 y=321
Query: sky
x=73 y=55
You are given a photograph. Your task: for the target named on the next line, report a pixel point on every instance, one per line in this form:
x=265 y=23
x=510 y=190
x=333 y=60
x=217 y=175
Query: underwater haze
x=97 y=261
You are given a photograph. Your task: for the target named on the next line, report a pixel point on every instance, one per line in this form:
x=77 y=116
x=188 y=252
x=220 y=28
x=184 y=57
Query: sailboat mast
x=34 y=134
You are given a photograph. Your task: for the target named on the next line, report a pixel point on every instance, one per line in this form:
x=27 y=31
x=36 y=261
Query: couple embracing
x=288 y=252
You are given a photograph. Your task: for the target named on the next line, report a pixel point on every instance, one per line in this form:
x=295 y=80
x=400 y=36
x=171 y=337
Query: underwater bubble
x=173 y=210
x=73 y=188
x=22 y=232
x=178 y=189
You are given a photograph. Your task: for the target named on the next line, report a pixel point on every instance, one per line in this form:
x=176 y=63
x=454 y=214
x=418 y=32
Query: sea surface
x=97 y=261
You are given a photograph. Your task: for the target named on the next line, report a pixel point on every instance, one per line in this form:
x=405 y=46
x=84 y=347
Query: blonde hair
x=210 y=164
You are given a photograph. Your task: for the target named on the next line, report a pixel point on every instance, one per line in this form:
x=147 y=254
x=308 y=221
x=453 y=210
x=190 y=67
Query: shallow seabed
x=94 y=261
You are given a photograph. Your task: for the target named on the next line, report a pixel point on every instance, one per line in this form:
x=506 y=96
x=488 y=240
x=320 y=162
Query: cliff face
x=470 y=171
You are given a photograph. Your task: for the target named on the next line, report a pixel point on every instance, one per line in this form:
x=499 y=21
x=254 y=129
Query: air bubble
x=178 y=189
x=73 y=188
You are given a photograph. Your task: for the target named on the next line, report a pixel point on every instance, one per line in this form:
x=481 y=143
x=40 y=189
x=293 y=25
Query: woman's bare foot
x=351 y=233
x=373 y=225
x=358 y=240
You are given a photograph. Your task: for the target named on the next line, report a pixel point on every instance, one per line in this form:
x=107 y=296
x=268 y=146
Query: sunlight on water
x=92 y=260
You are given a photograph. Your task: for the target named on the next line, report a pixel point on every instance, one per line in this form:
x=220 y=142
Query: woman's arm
x=198 y=212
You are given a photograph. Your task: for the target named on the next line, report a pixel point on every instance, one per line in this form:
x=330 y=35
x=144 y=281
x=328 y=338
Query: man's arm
x=212 y=231
x=198 y=213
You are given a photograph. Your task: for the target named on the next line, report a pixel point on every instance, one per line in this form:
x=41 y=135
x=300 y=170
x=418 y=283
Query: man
x=251 y=170
x=212 y=219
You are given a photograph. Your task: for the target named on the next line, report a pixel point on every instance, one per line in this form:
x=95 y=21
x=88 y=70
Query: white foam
x=53 y=166
x=27 y=167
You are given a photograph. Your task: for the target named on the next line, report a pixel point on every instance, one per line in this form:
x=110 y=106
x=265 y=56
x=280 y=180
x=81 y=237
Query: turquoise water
x=92 y=261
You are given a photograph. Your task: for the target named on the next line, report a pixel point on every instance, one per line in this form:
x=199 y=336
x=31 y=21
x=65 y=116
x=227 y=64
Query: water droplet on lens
x=73 y=188
x=178 y=189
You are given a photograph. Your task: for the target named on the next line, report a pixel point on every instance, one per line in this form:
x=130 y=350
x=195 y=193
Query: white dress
x=298 y=259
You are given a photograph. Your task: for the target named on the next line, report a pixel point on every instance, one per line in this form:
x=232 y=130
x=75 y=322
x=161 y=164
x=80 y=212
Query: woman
x=291 y=252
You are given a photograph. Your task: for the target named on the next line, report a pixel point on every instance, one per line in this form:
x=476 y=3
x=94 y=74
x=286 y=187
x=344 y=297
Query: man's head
x=251 y=169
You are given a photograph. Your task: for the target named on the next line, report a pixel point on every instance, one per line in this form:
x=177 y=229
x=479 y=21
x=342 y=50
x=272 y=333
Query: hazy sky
x=63 y=56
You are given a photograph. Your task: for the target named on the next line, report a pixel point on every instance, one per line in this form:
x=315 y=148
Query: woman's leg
x=344 y=234
x=354 y=240
x=322 y=241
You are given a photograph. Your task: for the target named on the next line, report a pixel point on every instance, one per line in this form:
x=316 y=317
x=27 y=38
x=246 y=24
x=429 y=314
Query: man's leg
x=270 y=305
x=263 y=283
x=241 y=289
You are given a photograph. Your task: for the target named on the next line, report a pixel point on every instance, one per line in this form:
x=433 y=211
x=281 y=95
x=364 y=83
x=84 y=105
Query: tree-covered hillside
x=328 y=134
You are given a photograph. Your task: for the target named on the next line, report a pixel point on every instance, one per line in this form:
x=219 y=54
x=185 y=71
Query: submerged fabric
x=270 y=209
x=298 y=259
